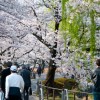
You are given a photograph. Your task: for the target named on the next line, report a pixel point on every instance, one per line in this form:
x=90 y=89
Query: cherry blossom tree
x=17 y=28
x=55 y=31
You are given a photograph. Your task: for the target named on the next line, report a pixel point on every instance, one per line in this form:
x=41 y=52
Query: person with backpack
x=96 y=80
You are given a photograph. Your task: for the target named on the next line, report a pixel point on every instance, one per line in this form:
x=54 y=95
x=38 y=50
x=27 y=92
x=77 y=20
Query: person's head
x=23 y=66
x=13 y=69
x=5 y=64
x=9 y=64
x=15 y=63
x=98 y=62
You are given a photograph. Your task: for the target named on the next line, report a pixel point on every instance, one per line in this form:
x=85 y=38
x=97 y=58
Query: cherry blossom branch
x=2 y=52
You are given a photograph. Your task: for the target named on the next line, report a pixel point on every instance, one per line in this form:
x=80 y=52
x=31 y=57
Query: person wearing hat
x=14 y=85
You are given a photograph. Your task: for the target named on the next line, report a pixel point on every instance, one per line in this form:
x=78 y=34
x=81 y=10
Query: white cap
x=31 y=66
x=13 y=68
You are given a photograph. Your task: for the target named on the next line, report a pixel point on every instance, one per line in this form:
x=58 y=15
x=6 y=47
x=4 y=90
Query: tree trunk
x=52 y=66
x=50 y=74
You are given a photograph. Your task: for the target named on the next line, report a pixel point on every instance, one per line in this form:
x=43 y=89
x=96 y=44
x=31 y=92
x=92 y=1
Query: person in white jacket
x=14 y=85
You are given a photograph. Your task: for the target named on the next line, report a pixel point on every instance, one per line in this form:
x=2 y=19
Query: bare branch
x=24 y=54
x=46 y=4
x=2 y=52
x=42 y=40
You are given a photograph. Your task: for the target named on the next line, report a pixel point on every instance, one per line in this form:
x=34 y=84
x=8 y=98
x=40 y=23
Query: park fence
x=50 y=93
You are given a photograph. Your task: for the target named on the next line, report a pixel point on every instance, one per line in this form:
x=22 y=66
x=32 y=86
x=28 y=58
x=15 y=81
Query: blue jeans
x=96 y=95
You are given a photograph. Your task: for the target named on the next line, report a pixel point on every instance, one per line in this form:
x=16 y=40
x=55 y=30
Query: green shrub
x=65 y=83
x=61 y=83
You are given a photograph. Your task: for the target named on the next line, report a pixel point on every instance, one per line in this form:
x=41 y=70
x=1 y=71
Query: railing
x=50 y=93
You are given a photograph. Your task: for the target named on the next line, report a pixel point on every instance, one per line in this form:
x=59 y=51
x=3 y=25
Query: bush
x=61 y=83
x=65 y=83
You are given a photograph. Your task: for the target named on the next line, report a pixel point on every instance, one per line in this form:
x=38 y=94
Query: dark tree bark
x=52 y=66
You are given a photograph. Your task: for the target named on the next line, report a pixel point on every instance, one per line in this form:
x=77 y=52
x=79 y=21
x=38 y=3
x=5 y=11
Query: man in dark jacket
x=26 y=74
x=39 y=70
x=5 y=73
x=96 y=80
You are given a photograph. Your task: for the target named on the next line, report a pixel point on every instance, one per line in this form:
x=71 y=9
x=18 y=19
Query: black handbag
x=30 y=91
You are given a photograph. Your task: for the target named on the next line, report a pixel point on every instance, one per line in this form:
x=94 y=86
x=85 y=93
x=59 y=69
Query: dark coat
x=39 y=70
x=4 y=73
x=26 y=74
x=96 y=78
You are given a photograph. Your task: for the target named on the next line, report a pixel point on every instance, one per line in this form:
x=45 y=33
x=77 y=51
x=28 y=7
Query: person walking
x=4 y=73
x=39 y=71
x=33 y=76
x=0 y=74
x=26 y=74
x=14 y=85
x=96 y=79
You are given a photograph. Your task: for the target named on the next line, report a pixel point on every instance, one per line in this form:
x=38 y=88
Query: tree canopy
x=64 y=33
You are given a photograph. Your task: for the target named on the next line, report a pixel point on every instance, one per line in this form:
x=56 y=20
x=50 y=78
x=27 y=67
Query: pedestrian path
x=33 y=97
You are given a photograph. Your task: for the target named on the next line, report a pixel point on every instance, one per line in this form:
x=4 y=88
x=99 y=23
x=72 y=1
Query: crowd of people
x=15 y=84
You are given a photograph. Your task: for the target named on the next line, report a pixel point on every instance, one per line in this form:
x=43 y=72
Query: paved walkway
x=33 y=97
